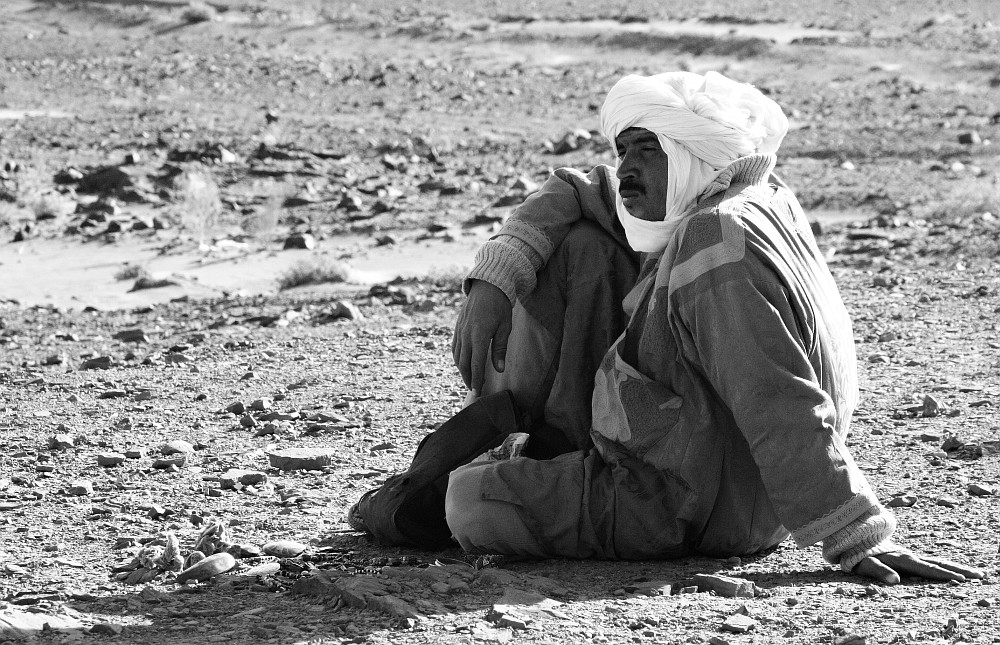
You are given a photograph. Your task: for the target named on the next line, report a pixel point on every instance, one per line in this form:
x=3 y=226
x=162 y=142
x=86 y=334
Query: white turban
x=703 y=123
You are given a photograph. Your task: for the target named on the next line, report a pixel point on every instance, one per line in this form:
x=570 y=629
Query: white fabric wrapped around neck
x=703 y=123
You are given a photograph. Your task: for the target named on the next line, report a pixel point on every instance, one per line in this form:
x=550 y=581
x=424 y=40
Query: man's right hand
x=482 y=329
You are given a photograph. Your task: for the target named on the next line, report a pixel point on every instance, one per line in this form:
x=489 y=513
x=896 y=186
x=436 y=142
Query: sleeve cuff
x=867 y=536
x=504 y=266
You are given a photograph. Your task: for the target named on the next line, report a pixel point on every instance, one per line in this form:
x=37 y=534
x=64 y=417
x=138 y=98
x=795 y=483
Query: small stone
x=236 y=407
x=107 y=629
x=156 y=512
x=300 y=241
x=233 y=476
x=980 y=490
x=903 y=501
x=284 y=548
x=344 y=309
x=440 y=587
x=125 y=541
x=176 y=447
x=149 y=282
x=143 y=395
x=108 y=459
x=949 y=502
x=174 y=358
x=850 y=638
x=247 y=421
x=135 y=453
x=969 y=138
x=652 y=588
x=262 y=405
x=931 y=406
x=168 y=463
x=99 y=363
x=301 y=458
x=131 y=336
x=739 y=624
x=250 y=551
x=525 y=185
x=725 y=586
x=985 y=602
x=211 y=566
x=61 y=441
x=81 y=487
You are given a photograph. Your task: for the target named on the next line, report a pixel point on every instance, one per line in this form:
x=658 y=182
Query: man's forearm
x=510 y=259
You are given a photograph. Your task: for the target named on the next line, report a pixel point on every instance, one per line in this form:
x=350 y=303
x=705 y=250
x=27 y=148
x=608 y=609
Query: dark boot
x=409 y=508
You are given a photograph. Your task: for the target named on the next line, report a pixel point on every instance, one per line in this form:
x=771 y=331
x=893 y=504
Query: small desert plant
x=316 y=271
x=197 y=202
x=49 y=205
x=261 y=221
x=131 y=272
x=448 y=279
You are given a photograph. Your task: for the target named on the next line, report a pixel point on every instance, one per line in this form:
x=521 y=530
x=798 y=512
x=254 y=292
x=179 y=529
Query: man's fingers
x=499 y=352
x=872 y=568
x=464 y=363
x=478 y=365
x=968 y=572
x=911 y=565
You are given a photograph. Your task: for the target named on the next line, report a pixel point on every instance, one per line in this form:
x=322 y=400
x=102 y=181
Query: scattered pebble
x=109 y=459
x=947 y=501
x=981 y=490
x=739 y=624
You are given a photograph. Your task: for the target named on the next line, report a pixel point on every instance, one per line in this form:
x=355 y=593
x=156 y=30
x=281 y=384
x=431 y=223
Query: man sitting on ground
x=679 y=347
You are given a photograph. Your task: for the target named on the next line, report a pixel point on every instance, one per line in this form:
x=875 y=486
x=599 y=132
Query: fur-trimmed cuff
x=503 y=265
x=869 y=535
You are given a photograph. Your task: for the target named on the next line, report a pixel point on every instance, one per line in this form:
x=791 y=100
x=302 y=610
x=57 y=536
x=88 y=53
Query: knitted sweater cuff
x=507 y=263
x=867 y=536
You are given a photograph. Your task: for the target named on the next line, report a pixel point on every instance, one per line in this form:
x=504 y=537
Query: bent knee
x=589 y=248
x=483 y=525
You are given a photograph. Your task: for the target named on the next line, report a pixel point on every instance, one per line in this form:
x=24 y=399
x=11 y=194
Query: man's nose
x=625 y=168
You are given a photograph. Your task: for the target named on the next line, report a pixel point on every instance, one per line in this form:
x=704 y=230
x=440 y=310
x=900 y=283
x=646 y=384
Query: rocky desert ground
x=232 y=237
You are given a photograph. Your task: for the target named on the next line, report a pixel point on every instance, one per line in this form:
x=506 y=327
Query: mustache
x=630 y=184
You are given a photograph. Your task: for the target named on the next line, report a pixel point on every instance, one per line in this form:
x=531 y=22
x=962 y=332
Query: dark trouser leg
x=561 y=332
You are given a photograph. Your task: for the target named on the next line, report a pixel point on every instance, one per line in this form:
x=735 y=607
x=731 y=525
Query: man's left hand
x=890 y=567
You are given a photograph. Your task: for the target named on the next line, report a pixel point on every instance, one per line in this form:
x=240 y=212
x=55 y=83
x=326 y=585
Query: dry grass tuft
x=197 y=202
x=316 y=271
x=260 y=223
x=131 y=272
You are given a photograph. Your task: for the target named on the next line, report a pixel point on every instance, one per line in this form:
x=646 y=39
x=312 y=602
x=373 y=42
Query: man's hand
x=890 y=567
x=484 y=322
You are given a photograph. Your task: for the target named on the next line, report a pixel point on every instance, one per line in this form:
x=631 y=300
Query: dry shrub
x=131 y=272
x=260 y=222
x=315 y=271
x=196 y=202
x=449 y=279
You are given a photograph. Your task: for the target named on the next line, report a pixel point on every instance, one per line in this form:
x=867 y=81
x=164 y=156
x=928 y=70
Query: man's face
x=642 y=174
